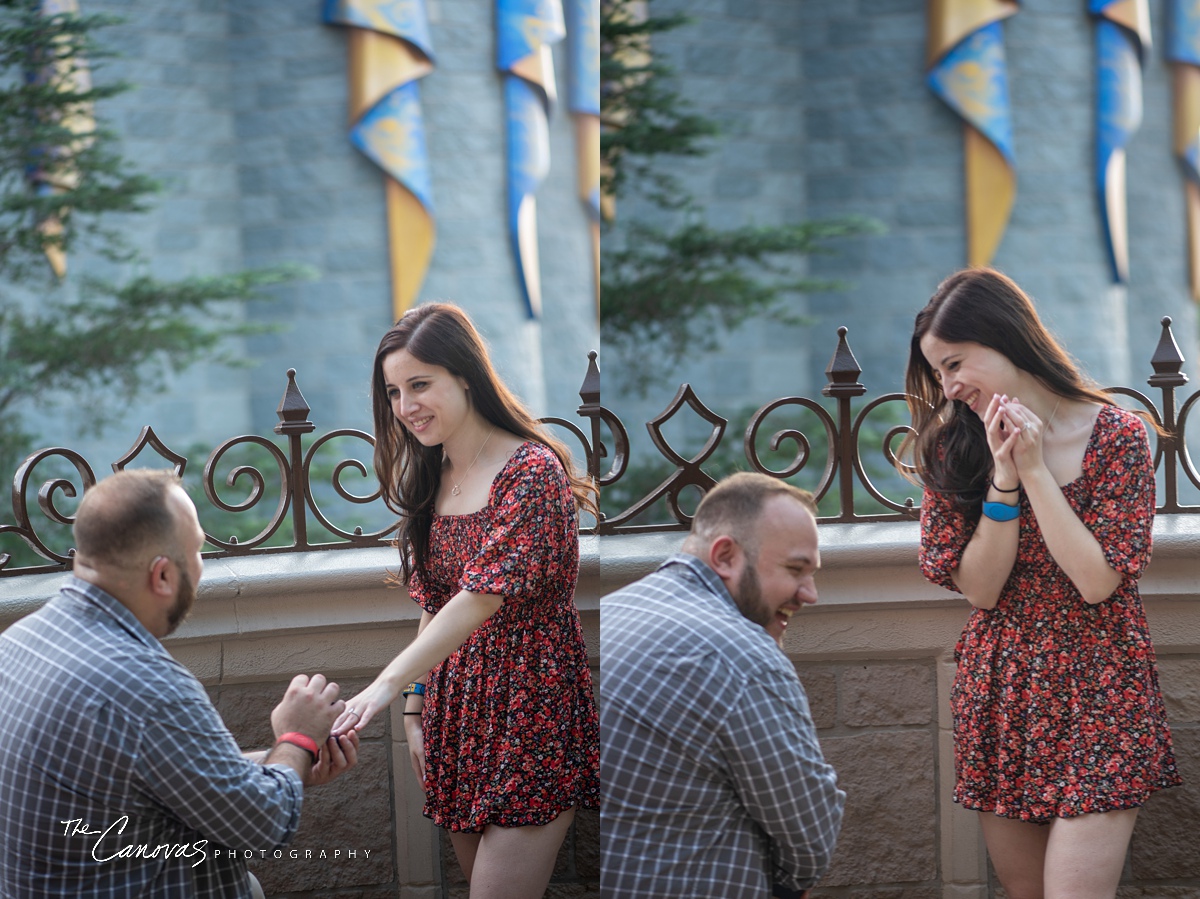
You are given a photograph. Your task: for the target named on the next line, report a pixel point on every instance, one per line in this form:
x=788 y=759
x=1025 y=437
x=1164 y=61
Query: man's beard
x=749 y=597
x=184 y=597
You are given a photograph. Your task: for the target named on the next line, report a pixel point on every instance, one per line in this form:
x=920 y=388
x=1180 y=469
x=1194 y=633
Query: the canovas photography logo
x=106 y=846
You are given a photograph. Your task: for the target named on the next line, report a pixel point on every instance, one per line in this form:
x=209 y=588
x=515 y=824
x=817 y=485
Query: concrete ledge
x=864 y=568
x=242 y=596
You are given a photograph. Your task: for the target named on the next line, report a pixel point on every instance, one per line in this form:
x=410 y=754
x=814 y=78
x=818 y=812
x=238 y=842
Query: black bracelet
x=412 y=713
x=1001 y=489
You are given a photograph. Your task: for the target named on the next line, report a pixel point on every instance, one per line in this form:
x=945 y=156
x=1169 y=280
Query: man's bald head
x=128 y=519
x=734 y=507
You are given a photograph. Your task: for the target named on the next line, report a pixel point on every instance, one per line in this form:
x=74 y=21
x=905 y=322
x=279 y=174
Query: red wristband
x=305 y=742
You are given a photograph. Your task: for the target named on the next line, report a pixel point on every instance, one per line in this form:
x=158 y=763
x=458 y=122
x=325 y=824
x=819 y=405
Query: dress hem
x=548 y=814
x=1131 y=803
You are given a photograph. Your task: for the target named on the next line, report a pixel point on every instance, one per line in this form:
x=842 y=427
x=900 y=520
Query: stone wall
x=258 y=622
x=239 y=110
x=825 y=113
x=874 y=655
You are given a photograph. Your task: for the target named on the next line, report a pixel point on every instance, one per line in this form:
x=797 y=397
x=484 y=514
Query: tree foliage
x=642 y=114
x=669 y=288
x=65 y=186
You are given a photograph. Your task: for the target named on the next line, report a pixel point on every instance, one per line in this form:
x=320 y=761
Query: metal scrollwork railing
x=844 y=476
x=844 y=485
x=292 y=471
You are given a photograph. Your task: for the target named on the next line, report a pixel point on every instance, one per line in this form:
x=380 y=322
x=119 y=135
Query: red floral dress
x=1057 y=708
x=510 y=726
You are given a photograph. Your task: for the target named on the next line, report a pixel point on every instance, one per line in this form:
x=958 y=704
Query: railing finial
x=590 y=391
x=1167 y=360
x=843 y=370
x=293 y=410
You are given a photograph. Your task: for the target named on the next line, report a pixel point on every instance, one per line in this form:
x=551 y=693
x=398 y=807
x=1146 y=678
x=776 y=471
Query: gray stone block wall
x=826 y=113
x=240 y=110
x=739 y=64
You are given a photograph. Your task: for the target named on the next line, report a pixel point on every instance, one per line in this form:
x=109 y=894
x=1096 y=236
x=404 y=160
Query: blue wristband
x=419 y=689
x=1001 y=511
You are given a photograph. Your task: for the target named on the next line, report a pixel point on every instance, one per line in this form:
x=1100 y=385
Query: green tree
x=65 y=187
x=669 y=286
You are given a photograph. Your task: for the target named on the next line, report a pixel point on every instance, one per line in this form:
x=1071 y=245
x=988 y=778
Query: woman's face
x=969 y=371
x=427 y=399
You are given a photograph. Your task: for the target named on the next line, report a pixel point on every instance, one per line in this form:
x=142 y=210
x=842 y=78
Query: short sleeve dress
x=1056 y=703
x=510 y=726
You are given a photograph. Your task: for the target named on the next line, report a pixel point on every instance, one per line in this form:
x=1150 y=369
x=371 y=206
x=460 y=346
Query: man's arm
x=189 y=763
x=782 y=778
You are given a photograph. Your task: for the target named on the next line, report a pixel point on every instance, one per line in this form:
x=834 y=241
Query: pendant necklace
x=1052 y=414
x=455 y=491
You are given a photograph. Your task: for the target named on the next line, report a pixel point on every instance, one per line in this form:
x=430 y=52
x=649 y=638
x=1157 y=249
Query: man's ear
x=162 y=576
x=725 y=557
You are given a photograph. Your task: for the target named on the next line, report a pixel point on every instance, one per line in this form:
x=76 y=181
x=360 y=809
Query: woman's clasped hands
x=1014 y=435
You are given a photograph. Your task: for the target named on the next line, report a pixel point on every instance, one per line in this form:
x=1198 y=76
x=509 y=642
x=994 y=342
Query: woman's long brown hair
x=978 y=305
x=409 y=473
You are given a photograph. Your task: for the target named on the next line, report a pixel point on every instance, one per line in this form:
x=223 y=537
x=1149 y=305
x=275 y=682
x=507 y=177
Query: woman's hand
x=365 y=706
x=1002 y=438
x=416 y=746
x=1028 y=428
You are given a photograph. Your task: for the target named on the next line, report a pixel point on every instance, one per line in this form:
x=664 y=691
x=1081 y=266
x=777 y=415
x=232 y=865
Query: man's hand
x=338 y=756
x=310 y=706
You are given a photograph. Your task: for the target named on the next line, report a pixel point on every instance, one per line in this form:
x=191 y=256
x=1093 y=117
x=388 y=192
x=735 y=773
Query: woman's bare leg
x=1018 y=853
x=516 y=862
x=1085 y=855
x=465 y=846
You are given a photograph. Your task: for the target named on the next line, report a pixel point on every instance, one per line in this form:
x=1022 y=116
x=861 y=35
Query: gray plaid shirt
x=714 y=785
x=118 y=778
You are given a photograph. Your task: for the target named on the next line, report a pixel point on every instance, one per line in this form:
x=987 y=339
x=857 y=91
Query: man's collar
x=89 y=593
x=706 y=575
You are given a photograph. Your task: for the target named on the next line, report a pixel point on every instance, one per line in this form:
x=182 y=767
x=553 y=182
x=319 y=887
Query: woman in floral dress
x=499 y=712
x=1038 y=507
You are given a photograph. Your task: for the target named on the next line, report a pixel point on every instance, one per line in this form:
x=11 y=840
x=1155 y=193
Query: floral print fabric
x=1056 y=703
x=510 y=725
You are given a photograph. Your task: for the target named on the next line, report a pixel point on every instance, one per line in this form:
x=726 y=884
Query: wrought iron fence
x=844 y=428
x=842 y=474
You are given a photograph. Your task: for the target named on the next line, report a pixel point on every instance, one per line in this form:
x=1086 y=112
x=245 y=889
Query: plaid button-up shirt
x=713 y=782
x=117 y=776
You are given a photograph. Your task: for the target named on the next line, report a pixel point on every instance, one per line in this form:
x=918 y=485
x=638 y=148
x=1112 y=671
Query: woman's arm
x=413 y=706
x=989 y=557
x=435 y=641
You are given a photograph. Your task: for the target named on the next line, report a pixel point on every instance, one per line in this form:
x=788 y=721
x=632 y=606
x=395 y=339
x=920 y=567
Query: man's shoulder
x=66 y=642
x=671 y=613
x=674 y=592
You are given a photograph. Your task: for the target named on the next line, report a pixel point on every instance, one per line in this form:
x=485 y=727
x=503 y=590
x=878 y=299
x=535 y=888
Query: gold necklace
x=455 y=491
x=1050 y=421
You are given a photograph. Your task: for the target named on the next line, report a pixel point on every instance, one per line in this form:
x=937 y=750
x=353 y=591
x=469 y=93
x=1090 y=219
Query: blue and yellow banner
x=968 y=71
x=583 y=49
x=389 y=51
x=1122 y=36
x=526 y=31
x=1183 y=52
